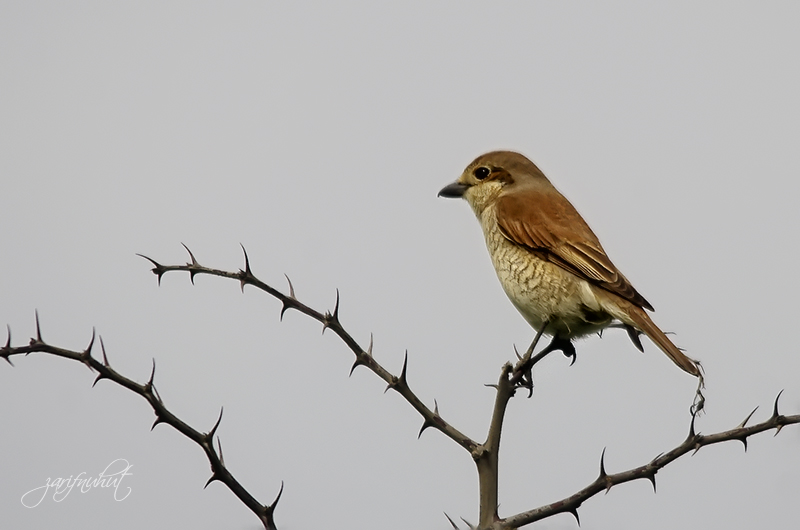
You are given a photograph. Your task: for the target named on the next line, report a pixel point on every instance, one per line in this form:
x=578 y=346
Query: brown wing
x=547 y=224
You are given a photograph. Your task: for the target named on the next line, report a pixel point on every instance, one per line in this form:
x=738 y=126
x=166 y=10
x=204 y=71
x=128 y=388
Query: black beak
x=455 y=190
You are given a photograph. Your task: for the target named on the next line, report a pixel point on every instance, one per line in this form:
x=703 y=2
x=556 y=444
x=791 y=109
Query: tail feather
x=642 y=321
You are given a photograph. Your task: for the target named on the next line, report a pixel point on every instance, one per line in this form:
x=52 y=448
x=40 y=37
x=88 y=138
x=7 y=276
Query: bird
x=549 y=262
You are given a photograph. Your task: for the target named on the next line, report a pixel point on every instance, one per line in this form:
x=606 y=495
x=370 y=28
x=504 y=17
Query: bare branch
x=329 y=321
x=485 y=455
x=605 y=482
x=219 y=472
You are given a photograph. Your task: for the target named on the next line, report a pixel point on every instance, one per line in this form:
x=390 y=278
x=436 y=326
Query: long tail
x=641 y=321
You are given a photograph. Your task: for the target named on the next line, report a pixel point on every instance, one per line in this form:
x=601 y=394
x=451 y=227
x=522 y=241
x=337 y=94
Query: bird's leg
x=563 y=345
x=523 y=374
x=538 y=336
x=523 y=371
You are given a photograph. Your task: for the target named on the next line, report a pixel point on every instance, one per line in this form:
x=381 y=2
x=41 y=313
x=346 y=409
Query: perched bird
x=548 y=260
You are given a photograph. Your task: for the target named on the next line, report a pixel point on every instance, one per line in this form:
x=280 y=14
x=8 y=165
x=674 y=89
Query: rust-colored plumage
x=548 y=260
x=555 y=231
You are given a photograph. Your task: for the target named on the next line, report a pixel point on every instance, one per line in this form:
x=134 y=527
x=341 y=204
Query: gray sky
x=318 y=137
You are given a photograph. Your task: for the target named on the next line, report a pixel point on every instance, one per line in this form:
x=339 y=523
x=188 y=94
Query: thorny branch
x=512 y=377
x=219 y=472
x=487 y=460
x=604 y=482
x=485 y=455
x=431 y=418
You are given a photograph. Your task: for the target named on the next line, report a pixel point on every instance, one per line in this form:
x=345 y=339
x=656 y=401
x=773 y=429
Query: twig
x=431 y=418
x=485 y=455
x=219 y=472
x=604 y=482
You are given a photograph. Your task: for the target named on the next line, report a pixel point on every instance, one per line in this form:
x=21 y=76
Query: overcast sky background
x=318 y=136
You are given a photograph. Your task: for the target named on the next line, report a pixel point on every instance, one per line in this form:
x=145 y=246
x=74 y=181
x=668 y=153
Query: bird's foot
x=523 y=372
x=563 y=345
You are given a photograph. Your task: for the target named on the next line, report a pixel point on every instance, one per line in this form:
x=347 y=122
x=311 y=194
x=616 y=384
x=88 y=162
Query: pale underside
x=543 y=291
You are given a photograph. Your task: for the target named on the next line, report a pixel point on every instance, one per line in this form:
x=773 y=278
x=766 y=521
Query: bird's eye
x=481 y=172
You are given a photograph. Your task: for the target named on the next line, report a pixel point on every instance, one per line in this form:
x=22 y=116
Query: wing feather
x=545 y=223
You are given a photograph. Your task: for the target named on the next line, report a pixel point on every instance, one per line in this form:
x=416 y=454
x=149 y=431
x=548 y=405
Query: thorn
x=369 y=349
x=516 y=352
x=221 y=456
x=396 y=381
x=574 y=513
x=88 y=350
x=39 y=329
x=291 y=288
x=246 y=273
x=425 y=425
x=213 y=430
x=332 y=318
x=7 y=348
x=98 y=378
x=275 y=502
x=455 y=527
x=775 y=408
x=652 y=478
x=212 y=479
x=291 y=297
x=777 y=430
x=194 y=263
x=156 y=422
x=336 y=307
x=603 y=473
x=430 y=423
x=470 y=525
x=743 y=439
x=741 y=425
x=157 y=395
x=158 y=269
x=149 y=384
x=246 y=261
x=403 y=371
x=357 y=362
x=86 y=355
x=103 y=348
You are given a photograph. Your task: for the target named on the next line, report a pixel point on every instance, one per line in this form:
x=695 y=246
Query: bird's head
x=490 y=175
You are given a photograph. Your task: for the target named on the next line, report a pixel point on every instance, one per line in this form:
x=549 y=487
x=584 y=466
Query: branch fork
x=485 y=455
